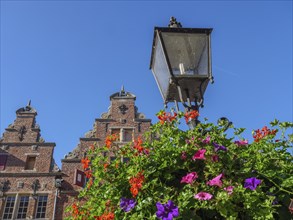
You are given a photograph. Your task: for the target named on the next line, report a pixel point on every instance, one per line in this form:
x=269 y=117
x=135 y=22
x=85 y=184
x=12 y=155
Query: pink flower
x=241 y=142
x=206 y=140
x=216 y=181
x=183 y=155
x=229 y=189
x=203 y=196
x=189 y=178
x=215 y=158
x=199 y=155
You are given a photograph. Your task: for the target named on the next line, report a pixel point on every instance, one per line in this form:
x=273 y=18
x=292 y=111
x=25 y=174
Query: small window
x=79 y=178
x=41 y=206
x=30 y=163
x=9 y=206
x=22 y=208
x=3 y=159
x=128 y=135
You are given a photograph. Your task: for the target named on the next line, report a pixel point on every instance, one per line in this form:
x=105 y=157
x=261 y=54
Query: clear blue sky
x=68 y=57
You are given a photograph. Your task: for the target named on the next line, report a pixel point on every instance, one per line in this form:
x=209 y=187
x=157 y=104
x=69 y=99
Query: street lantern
x=181 y=63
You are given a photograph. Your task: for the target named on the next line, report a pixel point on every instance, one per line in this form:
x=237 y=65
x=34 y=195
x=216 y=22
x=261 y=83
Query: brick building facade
x=29 y=177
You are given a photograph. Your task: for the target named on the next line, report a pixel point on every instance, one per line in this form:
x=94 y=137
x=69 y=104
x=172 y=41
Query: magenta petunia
x=203 y=196
x=229 y=189
x=215 y=158
x=189 y=178
x=183 y=155
x=216 y=181
x=199 y=155
x=207 y=140
x=241 y=142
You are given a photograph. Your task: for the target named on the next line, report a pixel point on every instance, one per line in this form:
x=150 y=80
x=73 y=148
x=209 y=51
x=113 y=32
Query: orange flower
x=190 y=115
x=110 y=139
x=166 y=117
x=265 y=131
x=90 y=183
x=75 y=210
x=106 y=216
x=105 y=166
x=88 y=173
x=137 y=145
x=136 y=183
x=85 y=163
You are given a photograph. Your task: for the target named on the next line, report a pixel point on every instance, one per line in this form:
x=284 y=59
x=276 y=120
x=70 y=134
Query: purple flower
x=167 y=211
x=203 y=196
x=219 y=147
x=251 y=183
x=127 y=204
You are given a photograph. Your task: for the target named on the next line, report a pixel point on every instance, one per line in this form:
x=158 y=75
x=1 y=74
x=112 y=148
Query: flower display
x=127 y=204
x=199 y=155
x=251 y=183
x=189 y=178
x=149 y=185
x=167 y=211
x=216 y=181
x=203 y=196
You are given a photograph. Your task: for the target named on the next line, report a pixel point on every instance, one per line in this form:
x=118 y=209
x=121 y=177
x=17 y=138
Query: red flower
x=136 y=183
x=166 y=117
x=85 y=163
x=88 y=173
x=75 y=210
x=190 y=115
x=110 y=139
x=265 y=131
x=138 y=146
x=106 y=216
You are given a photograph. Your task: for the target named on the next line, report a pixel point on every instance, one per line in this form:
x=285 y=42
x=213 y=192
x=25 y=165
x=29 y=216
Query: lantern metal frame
x=181 y=90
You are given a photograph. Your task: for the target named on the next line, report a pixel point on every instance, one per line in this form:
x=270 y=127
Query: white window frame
x=15 y=209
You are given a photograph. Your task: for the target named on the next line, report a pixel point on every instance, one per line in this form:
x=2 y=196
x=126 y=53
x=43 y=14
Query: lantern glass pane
x=160 y=69
x=187 y=52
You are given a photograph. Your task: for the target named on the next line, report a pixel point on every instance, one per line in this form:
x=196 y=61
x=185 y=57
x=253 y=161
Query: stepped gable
x=122 y=119
x=28 y=171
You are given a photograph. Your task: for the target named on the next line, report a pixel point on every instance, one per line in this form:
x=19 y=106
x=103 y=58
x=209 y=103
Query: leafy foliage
x=202 y=172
